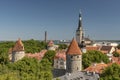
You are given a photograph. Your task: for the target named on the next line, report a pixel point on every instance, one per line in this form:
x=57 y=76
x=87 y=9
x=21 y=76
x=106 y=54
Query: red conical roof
x=73 y=48
x=18 y=46
x=51 y=43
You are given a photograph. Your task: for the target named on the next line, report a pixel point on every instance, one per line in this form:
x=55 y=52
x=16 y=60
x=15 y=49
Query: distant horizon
x=27 y=19
x=55 y=39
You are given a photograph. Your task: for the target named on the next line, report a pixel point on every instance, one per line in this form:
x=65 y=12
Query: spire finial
x=80 y=17
x=80 y=20
x=80 y=12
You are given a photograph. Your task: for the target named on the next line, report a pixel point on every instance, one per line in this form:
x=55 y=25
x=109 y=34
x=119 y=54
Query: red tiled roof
x=115 y=60
x=97 y=68
x=18 y=46
x=88 y=48
x=60 y=55
x=73 y=49
x=38 y=56
x=118 y=50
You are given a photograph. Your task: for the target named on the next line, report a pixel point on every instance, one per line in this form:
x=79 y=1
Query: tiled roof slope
x=18 y=46
x=60 y=55
x=38 y=56
x=97 y=68
x=106 y=48
x=92 y=48
x=73 y=49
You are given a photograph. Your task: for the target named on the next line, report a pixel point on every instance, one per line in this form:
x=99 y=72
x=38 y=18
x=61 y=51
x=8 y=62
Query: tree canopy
x=32 y=46
x=111 y=73
x=49 y=55
x=116 y=54
x=93 y=57
x=62 y=46
x=26 y=68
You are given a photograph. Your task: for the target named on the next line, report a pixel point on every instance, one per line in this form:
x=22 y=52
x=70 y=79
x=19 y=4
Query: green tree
x=111 y=73
x=50 y=56
x=9 y=76
x=116 y=54
x=62 y=46
x=93 y=57
x=4 y=59
x=33 y=46
x=32 y=69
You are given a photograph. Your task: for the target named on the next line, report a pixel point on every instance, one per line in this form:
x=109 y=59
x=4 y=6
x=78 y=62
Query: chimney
x=45 y=36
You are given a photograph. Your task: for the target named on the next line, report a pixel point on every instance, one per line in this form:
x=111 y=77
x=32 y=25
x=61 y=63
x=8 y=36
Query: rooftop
x=73 y=49
x=18 y=46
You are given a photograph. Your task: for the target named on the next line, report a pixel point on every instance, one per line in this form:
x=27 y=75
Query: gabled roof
x=18 y=46
x=105 y=49
x=73 y=49
x=97 y=68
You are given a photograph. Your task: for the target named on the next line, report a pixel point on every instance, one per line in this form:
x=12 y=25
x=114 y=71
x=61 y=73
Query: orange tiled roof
x=18 y=46
x=116 y=60
x=38 y=56
x=118 y=50
x=88 y=48
x=73 y=49
x=60 y=55
x=97 y=68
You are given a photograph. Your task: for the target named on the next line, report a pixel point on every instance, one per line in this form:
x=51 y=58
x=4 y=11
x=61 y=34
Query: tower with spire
x=79 y=31
x=74 y=57
x=18 y=51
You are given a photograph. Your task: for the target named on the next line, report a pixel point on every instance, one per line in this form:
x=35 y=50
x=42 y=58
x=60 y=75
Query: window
x=77 y=68
x=77 y=56
x=56 y=66
x=81 y=77
x=61 y=63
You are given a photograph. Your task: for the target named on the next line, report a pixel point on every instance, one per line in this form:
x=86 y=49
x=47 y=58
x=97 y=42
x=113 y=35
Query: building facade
x=60 y=60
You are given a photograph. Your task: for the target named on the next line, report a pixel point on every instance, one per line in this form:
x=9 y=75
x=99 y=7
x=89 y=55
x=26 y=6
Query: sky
x=29 y=19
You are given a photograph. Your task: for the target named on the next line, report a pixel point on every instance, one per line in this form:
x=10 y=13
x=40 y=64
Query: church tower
x=79 y=31
x=73 y=57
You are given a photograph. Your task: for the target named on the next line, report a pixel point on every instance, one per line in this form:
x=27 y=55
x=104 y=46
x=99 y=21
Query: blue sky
x=27 y=19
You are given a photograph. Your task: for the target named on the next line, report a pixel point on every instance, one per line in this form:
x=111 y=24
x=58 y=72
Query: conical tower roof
x=18 y=46
x=51 y=43
x=73 y=48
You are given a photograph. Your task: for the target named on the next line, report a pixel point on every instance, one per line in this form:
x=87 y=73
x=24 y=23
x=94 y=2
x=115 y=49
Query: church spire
x=79 y=31
x=80 y=21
